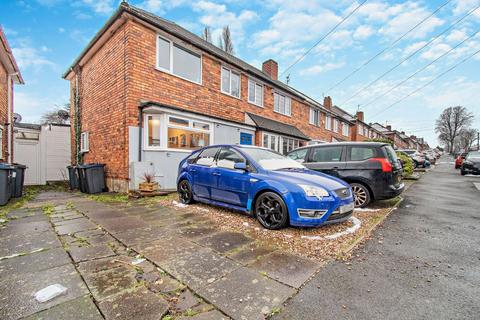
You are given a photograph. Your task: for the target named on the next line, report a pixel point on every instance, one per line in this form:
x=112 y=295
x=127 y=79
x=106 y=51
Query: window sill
x=176 y=76
x=256 y=105
x=283 y=114
x=228 y=94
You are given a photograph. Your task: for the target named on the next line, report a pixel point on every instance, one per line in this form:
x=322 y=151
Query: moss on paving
x=109 y=197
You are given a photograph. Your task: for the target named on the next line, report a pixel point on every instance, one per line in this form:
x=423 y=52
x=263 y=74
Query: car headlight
x=313 y=191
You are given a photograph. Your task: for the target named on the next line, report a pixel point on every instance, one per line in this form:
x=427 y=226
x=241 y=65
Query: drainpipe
x=140 y=132
x=9 y=115
x=78 y=157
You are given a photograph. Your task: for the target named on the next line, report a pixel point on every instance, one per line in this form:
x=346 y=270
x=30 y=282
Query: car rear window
x=327 y=154
x=361 y=153
x=391 y=155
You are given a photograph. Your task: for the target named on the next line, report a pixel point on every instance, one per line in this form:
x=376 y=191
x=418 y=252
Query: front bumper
x=339 y=209
x=471 y=169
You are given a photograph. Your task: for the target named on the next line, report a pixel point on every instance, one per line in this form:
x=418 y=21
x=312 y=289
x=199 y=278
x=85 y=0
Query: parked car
x=275 y=189
x=471 y=164
x=459 y=159
x=430 y=157
x=371 y=168
x=417 y=157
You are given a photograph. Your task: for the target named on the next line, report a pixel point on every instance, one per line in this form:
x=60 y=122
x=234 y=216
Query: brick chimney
x=360 y=115
x=403 y=132
x=327 y=102
x=389 y=128
x=270 y=67
x=413 y=137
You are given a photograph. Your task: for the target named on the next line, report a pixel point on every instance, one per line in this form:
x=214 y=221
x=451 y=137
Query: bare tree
x=61 y=114
x=450 y=123
x=206 y=34
x=467 y=138
x=225 y=41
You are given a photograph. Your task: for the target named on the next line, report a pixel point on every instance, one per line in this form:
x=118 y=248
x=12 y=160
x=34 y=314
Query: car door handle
x=216 y=174
x=335 y=168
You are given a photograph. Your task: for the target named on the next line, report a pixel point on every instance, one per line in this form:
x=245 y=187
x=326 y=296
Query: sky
x=47 y=35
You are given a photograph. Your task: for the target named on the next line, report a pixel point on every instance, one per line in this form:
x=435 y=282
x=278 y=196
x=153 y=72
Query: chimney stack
x=270 y=67
x=360 y=115
x=389 y=128
x=327 y=102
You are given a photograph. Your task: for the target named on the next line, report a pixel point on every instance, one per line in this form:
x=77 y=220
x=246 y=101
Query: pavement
x=422 y=263
x=135 y=261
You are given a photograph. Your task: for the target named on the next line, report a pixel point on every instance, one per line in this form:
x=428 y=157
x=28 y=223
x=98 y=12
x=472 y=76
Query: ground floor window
x=280 y=143
x=164 y=131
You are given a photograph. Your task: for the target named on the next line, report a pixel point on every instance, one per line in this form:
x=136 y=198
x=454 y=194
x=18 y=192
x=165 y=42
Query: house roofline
x=11 y=58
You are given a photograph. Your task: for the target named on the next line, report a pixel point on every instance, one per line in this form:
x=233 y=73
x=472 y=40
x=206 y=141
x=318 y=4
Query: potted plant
x=149 y=184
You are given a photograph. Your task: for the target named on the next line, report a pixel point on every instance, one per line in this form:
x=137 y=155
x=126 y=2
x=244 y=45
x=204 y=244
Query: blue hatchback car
x=277 y=190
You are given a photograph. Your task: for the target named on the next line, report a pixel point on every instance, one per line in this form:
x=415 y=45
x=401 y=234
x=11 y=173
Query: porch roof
x=277 y=127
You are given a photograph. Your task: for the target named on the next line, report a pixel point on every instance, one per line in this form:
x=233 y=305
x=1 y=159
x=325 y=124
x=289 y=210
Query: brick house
x=145 y=92
x=400 y=139
x=9 y=76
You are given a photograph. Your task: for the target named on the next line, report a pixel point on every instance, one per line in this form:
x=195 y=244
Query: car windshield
x=270 y=160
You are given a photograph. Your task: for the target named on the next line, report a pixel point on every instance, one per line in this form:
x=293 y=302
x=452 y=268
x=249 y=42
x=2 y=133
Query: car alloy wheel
x=271 y=211
x=185 y=192
x=361 y=195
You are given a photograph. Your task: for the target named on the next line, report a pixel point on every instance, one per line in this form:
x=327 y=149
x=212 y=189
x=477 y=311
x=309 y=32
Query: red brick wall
x=102 y=106
x=4 y=110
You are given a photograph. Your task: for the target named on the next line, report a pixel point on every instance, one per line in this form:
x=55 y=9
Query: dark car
x=371 y=168
x=471 y=164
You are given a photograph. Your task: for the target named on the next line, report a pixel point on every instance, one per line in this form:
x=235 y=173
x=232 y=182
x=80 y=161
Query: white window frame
x=346 y=129
x=84 y=142
x=230 y=71
x=255 y=84
x=328 y=122
x=286 y=98
x=170 y=70
x=279 y=142
x=335 y=124
x=165 y=124
x=360 y=129
x=314 y=111
x=1 y=142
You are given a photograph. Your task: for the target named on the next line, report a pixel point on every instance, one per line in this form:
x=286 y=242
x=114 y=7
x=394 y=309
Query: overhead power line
x=388 y=48
x=408 y=57
x=323 y=38
x=428 y=83
x=420 y=70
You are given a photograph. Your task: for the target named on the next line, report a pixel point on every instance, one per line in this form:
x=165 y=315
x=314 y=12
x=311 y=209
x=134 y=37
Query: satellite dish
x=17 y=118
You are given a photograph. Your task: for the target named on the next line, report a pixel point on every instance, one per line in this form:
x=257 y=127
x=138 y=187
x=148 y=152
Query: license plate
x=346 y=208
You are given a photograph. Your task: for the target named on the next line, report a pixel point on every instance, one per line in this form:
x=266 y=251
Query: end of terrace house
x=145 y=92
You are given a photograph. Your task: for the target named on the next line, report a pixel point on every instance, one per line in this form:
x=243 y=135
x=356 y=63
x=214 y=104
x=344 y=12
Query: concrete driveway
x=423 y=263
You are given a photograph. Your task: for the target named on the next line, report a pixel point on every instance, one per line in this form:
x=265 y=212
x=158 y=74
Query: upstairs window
x=314 y=117
x=230 y=82
x=255 y=93
x=178 y=61
x=282 y=104
x=328 y=122
x=346 y=129
x=335 y=125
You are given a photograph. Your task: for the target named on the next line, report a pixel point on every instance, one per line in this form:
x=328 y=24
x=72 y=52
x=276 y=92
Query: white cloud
x=28 y=56
x=456 y=36
x=61 y=30
x=155 y=6
x=435 y=51
x=100 y=6
x=321 y=68
x=363 y=32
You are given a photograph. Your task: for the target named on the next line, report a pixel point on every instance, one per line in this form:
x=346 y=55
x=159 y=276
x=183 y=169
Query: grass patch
x=17 y=203
x=109 y=197
x=48 y=209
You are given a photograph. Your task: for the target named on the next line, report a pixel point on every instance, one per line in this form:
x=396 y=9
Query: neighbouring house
x=399 y=139
x=145 y=92
x=9 y=76
x=44 y=149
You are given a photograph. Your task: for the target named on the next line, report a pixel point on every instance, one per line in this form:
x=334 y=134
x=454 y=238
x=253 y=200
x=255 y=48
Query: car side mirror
x=240 y=166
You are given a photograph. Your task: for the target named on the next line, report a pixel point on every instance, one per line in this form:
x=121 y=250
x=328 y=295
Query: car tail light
x=386 y=165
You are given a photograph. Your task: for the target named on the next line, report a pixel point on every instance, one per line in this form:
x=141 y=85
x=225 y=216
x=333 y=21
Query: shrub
x=407 y=164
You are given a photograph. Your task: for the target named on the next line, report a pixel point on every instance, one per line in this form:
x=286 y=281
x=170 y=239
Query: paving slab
x=103 y=264
x=110 y=282
x=163 y=250
x=287 y=268
x=251 y=253
x=210 y=315
x=28 y=242
x=199 y=268
x=197 y=231
x=23 y=226
x=225 y=241
x=141 y=235
x=185 y=301
x=101 y=214
x=81 y=308
x=159 y=282
x=22 y=213
x=90 y=252
x=140 y=304
x=34 y=262
x=17 y=299
x=246 y=294
x=75 y=226
x=121 y=224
